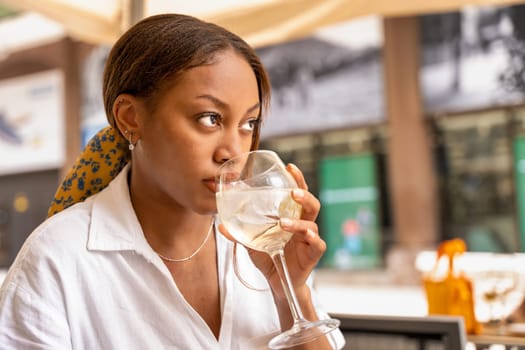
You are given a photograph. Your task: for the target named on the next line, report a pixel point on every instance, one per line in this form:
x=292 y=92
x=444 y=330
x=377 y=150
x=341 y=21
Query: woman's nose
x=231 y=145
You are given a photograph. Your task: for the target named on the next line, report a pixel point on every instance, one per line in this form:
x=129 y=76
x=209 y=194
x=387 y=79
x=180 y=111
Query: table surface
x=496 y=339
x=509 y=334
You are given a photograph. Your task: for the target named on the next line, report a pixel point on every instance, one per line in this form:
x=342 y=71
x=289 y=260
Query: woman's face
x=205 y=118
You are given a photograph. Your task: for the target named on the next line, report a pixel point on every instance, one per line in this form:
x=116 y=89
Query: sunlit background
x=408 y=120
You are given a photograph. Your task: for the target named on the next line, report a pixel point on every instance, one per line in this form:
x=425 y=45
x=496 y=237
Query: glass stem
x=280 y=264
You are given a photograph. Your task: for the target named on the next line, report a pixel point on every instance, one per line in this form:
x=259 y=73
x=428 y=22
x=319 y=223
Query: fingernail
x=284 y=222
x=298 y=193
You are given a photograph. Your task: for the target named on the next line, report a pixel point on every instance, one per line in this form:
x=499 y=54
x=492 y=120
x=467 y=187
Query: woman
x=139 y=264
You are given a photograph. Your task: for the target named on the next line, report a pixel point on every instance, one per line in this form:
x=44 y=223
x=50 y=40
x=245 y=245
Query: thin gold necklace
x=192 y=254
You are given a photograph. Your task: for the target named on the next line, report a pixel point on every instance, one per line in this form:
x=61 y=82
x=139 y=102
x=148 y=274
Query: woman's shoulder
x=63 y=232
x=52 y=249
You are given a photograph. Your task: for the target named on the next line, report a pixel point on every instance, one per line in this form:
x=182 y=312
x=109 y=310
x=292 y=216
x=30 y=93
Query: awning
x=260 y=22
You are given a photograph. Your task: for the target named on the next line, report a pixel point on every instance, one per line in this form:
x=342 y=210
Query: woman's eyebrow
x=213 y=99
x=253 y=108
x=222 y=104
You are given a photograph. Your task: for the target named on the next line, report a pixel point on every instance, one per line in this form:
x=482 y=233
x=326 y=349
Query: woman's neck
x=167 y=226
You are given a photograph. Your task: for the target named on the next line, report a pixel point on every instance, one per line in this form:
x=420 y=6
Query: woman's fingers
x=308 y=201
x=298 y=176
x=306 y=231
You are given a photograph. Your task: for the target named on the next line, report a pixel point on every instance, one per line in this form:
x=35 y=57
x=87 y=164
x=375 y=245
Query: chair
x=372 y=332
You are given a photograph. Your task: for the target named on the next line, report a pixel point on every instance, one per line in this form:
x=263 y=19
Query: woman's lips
x=210 y=184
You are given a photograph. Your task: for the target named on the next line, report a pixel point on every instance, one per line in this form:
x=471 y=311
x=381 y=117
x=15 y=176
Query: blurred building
x=40 y=99
x=471 y=81
x=408 y=129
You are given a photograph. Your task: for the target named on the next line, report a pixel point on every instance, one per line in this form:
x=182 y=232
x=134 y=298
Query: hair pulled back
x=152 y=53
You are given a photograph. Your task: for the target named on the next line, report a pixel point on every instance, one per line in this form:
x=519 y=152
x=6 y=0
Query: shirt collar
x=114 y=225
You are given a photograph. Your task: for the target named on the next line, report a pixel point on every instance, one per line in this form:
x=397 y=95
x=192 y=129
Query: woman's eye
x=250 y=124
x=209 y=119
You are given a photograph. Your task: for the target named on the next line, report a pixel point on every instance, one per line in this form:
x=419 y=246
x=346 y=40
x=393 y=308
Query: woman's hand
x=304 y=249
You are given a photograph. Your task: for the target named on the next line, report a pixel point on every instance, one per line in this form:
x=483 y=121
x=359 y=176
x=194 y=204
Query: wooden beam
x=413 y=185
x=72 y=95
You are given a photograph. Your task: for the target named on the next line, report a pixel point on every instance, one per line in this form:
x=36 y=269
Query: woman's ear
x=125 y=112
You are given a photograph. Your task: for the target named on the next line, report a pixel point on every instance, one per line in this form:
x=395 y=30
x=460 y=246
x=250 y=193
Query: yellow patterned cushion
x=101 y=160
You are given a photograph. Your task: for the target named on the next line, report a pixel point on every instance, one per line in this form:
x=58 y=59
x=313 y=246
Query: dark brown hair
x=151 y=54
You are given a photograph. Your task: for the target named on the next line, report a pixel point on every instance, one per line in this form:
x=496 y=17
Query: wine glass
x=498 y=290
x=253 y=193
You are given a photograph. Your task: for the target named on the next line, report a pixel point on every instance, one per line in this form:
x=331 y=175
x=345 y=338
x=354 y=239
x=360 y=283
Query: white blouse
x=87 y=279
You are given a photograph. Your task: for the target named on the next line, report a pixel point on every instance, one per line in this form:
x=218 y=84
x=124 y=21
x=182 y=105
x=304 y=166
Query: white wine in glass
x=253 y=194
